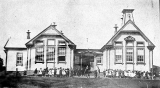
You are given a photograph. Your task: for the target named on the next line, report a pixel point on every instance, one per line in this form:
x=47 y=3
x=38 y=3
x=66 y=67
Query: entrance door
x=86 y=61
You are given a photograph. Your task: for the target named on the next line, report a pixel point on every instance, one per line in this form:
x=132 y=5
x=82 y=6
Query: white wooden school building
x=128 y=49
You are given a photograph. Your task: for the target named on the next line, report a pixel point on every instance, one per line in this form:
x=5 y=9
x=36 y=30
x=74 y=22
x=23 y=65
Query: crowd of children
x=57 y=72
x=127 y=74
x=61 y=72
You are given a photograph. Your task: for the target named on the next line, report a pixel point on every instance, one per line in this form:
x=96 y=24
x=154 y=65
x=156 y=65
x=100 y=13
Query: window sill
x=129 y=63
x=39 y=62
x=119 y=63
x=51 y=62
x=99 y=64
x=141 y=63
x=19 y=65
x=62 y=62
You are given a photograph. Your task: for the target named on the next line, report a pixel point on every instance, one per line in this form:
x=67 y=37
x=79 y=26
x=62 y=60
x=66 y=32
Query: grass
x=50 y=82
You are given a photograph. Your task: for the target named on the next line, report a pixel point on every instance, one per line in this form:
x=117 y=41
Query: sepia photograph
x=79 y=44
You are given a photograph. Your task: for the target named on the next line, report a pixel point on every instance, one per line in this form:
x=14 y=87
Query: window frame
x=61 y=46
x=118 y=47
x=36 y=47
x=61 y=41
x=51 y=45
x=100 y=58
x=47 y=53
x=140 y=47
x=19 y=64
x=130 y=62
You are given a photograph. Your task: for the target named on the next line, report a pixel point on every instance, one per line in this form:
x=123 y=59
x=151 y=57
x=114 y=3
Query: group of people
x=61 y=72
x=57 y=72
x=127 y=74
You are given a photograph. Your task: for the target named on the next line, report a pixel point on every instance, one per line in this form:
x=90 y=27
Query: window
x=39 y=43
x=61 y=54
x=118 y=55
x=118 y=52
x=19 y=59
x=51 y=42
x=140 y=43
x=77 y=60
x=39 y=51
x=129 y=43
x=99 y=60
x=129 y=55
x=140 y=55
x=118 y=43
x=39 y=54
x=50 y=54
x=62 y=43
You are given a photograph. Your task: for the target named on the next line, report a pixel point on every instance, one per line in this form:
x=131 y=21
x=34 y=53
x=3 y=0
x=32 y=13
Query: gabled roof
x=110 y=42
x=51 y=27
x=18 y=43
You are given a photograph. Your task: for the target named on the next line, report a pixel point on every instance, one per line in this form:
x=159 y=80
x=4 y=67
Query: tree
x=1 y=63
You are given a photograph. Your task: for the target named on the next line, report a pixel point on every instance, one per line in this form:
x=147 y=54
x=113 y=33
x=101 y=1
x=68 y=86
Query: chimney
x=54 y=24
x=28 y=34
x=115 y=29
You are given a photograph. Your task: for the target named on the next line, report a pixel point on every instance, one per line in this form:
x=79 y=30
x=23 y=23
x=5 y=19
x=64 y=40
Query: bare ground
x=51 y=82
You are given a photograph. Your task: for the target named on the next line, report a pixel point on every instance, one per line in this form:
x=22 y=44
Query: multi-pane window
x=118 y=52
x=50 y=50
x=39 y=54
x=99 y=60
x=140 y=55
x=61 y=54
x=19 y=59
x=50 y=54
x=140 y=52
x=39 y=51
x=118 y=55
x=61 y=51
x=129 y=55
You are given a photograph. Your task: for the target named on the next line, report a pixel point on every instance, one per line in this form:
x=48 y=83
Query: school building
x=128 y=49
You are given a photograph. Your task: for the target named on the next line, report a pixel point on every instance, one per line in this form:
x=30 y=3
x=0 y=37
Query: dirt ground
x=75 y=82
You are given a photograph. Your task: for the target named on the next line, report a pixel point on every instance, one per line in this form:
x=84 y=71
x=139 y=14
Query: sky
x=78 y=19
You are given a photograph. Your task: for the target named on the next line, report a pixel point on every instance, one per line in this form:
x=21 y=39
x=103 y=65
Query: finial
x=54 y=24
x=115 y=28
x=61 y=32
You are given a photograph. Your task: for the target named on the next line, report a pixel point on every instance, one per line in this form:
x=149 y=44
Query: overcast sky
x=78 y=19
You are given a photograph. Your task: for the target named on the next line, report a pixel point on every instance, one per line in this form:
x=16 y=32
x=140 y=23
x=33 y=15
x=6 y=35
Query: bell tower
x=127 y=15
